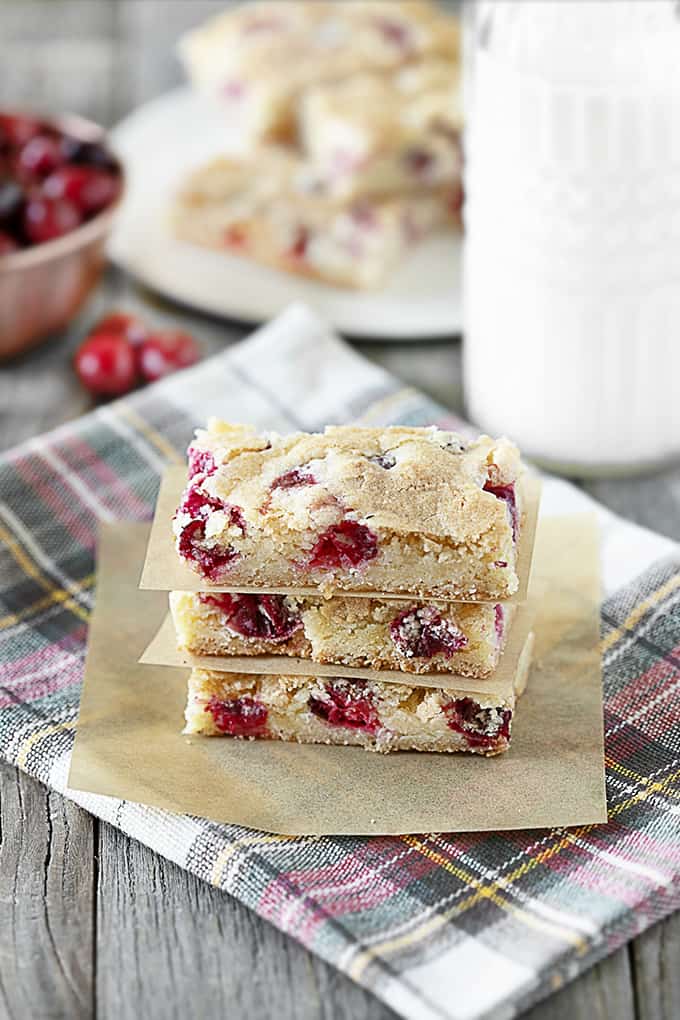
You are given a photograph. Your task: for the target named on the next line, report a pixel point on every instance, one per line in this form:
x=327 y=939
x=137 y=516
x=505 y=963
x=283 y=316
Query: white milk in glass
x=572 y=262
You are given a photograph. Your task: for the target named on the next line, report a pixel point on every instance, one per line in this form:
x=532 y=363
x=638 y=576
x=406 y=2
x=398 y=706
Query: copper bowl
x=42 y=288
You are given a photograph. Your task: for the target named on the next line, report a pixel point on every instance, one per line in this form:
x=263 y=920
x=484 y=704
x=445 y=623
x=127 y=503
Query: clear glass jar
x=572 y=219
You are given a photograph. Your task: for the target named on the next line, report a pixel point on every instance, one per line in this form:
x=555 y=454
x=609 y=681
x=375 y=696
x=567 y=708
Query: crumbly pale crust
x=370 y=633
x=275 y=209
x=379 y=134
x=258 y=58
x=375 y=715
x=397 y=510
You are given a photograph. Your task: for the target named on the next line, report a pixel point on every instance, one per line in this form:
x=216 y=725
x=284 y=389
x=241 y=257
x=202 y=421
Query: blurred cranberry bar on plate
x=276 y=210
x=380 y=134
x=256 y=60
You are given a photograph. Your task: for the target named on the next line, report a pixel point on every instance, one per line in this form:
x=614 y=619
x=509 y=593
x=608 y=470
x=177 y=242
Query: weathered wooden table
x=92 y=923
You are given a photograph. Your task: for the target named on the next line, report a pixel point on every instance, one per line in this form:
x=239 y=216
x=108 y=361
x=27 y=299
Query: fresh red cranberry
x=298 y=248
x=465 y=716
x=418 y=161
x=46 y=219
x=7 y=244
x=201 y=462
x=293 y=479
x=74 y=150
x=239 y=717
x=421 y=632
x=346 y=705
x=344 y=545
x=88 y=188
x=17 y=130
x=105 y=364
x=499 y=622
x=11 y=203
x=165 y=352
x=507 y=494
x=255 y=616
x=40 y=156
x=128 y=326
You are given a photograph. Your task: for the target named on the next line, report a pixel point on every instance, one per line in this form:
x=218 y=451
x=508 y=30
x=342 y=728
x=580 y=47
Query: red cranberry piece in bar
x=347 y=706
x=421 y=632
x=212 y=561
x=418 y=161
x=466 y=717
x=165 y=352
x=236 y=236
x=507 y=494
x=293 y=479
x=298 y=248
x=499 y=622
x=394 y=32
x=234 y=90
x=88 y=188
x=238 y=717
x=46 y=219
x=105 y=365
x=198 y=503
x=263 y=24
x=345 y=545
x=201 y=462
x=265 y=617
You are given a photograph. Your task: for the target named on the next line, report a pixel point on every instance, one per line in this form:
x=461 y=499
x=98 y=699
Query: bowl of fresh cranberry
x=59 y=190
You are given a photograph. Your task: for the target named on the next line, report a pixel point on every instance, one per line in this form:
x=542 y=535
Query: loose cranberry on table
x=164 y=352
x=120 y=352
x=106 y=364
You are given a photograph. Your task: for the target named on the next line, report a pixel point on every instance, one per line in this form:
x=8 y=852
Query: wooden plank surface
x=93 y=924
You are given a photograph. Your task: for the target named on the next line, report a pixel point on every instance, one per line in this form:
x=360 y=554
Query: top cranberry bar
x=393 y=510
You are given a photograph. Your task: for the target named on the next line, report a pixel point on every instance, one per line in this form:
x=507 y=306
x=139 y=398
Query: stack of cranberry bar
x=380 y=548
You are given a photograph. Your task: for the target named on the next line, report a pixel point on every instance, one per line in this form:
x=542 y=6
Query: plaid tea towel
x=517 y=913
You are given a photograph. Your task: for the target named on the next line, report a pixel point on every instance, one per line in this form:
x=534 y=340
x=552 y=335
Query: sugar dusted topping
x=433 y=484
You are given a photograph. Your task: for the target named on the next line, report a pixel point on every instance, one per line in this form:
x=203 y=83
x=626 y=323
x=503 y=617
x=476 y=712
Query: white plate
x=159 y=142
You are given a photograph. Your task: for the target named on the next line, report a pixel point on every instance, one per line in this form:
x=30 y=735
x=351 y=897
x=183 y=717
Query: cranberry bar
x=372 y=714
x=275 y=209
x=377 y=134
x=256 y=60
x=414 y=511
x=416 y=637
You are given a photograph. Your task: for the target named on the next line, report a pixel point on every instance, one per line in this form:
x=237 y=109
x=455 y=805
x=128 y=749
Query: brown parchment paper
x=163 y=570
x=163 y=651
x=129 y=745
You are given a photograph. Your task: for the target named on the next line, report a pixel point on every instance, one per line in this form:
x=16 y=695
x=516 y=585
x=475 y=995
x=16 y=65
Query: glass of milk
x=572 y=219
